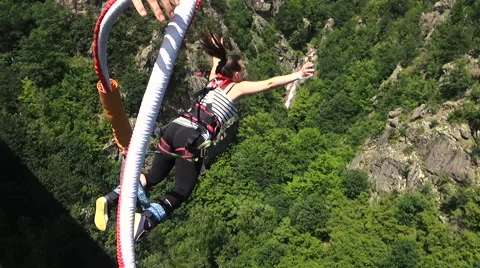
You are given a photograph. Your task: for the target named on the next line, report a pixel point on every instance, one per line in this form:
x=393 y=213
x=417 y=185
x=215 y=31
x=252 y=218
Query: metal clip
x=203 y=152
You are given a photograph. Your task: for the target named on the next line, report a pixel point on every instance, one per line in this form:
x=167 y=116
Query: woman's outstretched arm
x=252 y=87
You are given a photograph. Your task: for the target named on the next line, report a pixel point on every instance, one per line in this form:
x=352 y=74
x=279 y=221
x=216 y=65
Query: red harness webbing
x=182 y=152
x=178 y=152
x=218 y=82
x=224 y=81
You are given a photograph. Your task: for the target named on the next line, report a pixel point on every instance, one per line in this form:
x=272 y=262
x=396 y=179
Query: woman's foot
x=142 y=225
x=146 y=221
x=101 y=213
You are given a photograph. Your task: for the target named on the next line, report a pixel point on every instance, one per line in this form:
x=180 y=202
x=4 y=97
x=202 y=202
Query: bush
x=409 y=208
x=405 y=253
x=310 y=215
x=433 y=123
x=354 y=183
x=455 y=83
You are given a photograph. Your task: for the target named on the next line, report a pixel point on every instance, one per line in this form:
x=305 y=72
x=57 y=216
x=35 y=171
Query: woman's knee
x=143 y=179
x=172 y=200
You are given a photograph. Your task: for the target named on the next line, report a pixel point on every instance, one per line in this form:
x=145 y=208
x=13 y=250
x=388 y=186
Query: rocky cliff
x=419 y=148
x=422 y=147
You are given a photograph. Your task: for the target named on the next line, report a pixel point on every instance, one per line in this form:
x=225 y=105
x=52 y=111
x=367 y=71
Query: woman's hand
x=167 y=6
x=307 y=70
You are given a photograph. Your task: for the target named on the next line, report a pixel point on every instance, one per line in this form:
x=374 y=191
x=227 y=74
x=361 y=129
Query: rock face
x=76 y=5
x=444 y=157
x=291 y=89
x=421 y=148
x=266 y=9
x=429 y=21
x=147 y=56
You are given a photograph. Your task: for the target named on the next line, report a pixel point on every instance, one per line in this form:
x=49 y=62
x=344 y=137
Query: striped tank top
x=222 y=106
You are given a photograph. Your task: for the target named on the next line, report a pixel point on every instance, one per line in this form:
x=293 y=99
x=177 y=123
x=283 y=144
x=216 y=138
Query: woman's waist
x=188 y=123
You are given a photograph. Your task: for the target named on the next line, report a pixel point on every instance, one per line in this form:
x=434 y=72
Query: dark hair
x=229 y=64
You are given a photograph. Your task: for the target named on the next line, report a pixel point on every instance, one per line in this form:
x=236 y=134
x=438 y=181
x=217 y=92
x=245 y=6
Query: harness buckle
x=203 y=152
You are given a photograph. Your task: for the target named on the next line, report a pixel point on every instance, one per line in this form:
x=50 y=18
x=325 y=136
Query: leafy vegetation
x=281 y=195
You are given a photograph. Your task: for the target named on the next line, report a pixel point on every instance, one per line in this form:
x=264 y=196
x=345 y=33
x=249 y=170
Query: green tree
x=310 y=214
x=41 y=58
x=290 y=17
x=239 y=20
x=451 y=41
x=472 y=211
x=361 y=83
x=397 y=8
x=14 y=23
x=410 y=207
x=409 y=91
x=306 y=100
x=338 y=113
x=354 y=182
x=201 y=236
x=405 y=254
x=455 y=82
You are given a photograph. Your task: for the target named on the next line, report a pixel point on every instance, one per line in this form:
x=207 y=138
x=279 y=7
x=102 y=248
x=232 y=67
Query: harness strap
x=204 y=116
x=210 y=128
x=224 y=80
x=183 y=152
x=230 y=88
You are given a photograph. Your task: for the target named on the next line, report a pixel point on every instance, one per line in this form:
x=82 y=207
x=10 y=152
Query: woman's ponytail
x=214 y=47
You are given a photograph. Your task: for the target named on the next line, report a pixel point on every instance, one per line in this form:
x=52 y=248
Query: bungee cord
x=136 y=141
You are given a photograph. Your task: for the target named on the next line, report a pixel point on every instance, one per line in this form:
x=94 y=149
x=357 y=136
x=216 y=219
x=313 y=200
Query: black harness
x=206 y=120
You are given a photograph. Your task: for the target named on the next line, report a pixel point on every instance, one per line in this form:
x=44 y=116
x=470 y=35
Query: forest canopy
x=280 y=195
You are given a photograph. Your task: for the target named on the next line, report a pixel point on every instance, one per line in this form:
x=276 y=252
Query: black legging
x=186 y=172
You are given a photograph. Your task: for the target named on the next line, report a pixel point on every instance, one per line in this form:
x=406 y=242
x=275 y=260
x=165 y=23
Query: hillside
x=374 y=162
